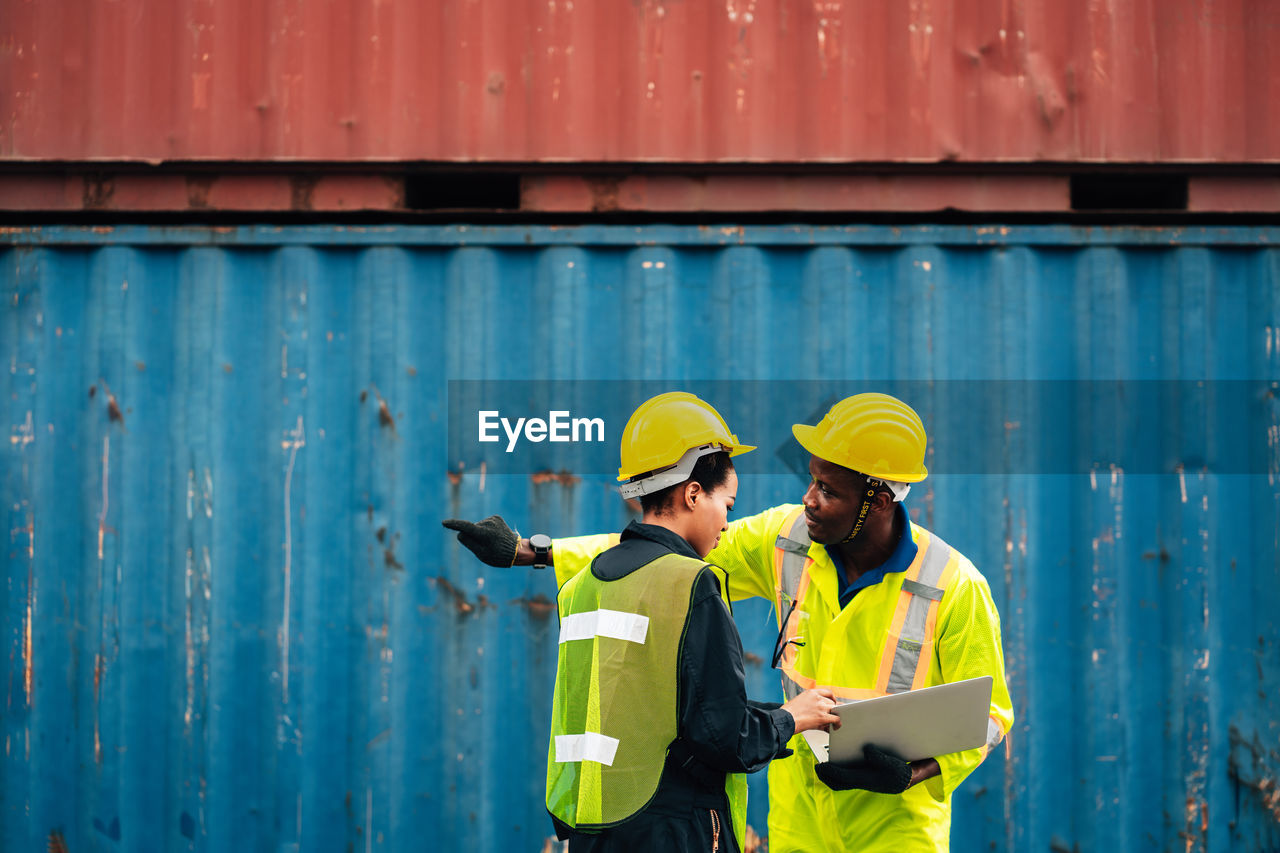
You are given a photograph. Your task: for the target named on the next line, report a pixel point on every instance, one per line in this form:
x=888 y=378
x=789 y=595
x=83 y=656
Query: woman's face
x=711 y=514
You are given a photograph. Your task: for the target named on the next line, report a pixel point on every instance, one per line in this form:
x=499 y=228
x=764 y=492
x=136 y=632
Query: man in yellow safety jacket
x=868 y=603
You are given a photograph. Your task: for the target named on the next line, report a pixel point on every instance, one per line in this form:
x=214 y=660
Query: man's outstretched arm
x=745 y=550
x=494 y=543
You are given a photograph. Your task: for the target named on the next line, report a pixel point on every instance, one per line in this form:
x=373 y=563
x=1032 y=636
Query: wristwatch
x=541 y=545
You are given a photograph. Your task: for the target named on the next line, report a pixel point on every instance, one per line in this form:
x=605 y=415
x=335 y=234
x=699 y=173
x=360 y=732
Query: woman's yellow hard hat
x=665 y=436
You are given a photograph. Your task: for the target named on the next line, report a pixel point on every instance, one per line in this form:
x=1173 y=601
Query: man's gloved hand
x=491 y=539
x=880 y=771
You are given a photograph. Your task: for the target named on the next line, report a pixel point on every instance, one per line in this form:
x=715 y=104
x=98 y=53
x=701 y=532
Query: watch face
x=540 y=541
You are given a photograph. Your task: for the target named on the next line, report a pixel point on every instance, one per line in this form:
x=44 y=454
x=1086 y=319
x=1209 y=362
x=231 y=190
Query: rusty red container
x=820 y=81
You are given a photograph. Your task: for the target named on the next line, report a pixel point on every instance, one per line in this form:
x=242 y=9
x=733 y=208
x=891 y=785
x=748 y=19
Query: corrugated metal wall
x=742 y=80
x=231 y=620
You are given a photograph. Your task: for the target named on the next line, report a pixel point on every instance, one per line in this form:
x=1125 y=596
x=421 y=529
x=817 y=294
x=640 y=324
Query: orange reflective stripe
x=890 y=650
x=922 y=547
x=791 y=583
x=804 y=682
x=789 y=649
x=777 y=580
x=909 y=644
x=779 y=555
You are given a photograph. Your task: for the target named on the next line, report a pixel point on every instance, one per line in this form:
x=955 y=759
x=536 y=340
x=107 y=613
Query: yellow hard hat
x=666 y=436
x=874 y=434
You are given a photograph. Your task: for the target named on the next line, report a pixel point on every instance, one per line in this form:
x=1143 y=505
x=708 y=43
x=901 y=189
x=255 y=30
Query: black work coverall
x=720 y=730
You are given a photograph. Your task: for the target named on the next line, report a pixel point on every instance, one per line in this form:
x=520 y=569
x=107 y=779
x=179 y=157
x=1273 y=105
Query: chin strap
x=868 y=496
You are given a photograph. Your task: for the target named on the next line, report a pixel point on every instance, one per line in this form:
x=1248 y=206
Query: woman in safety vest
x=651 y=727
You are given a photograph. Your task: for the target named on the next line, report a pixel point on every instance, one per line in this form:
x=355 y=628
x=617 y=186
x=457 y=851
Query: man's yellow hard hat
x=874 y=434
x=665 y=436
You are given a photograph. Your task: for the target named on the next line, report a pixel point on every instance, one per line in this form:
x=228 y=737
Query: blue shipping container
x=232 y=620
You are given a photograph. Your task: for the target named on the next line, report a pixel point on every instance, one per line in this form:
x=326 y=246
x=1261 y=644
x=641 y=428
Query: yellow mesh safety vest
x=615 y=710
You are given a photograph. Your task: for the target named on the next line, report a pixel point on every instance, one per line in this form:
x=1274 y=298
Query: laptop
x=915 y=724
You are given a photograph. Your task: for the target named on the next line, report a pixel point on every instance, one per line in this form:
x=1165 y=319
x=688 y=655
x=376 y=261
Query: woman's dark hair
x=710 y=472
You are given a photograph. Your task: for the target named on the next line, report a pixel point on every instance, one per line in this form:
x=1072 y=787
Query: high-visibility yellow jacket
x=851 y=649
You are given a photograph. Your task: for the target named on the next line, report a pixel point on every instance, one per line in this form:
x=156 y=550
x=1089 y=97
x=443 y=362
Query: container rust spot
x=460 y=602
x=57 y=844
x=539 y=606
x=28 y=665
x=113 y=407
x=1247 y=767
x=455 y=477
x=564 y=478
x=384 y=411
x=99 y=666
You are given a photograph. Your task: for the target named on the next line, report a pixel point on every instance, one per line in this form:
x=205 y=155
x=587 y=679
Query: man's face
x=832 y=501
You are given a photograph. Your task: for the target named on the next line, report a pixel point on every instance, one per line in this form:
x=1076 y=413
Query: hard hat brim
x=805 y=434
x=808 y=438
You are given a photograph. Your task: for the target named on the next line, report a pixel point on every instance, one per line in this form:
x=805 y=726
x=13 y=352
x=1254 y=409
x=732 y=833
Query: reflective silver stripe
x=604 y=623
x=795 y=552
x=935 y=561
x=917 y=588
x=793 y=546
x=995 y=734
x=590 y=746
x=906 y=657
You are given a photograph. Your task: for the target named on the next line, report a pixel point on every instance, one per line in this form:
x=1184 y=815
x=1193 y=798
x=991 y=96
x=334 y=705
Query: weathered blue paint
x=232 y=621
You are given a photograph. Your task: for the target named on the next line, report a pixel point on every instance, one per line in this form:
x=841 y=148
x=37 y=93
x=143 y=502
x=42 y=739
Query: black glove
x=490 y=540
x=881 y=772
